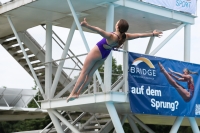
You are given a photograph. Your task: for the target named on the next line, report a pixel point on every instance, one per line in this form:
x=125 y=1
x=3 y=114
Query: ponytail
x=190 y=72
x=122 y=39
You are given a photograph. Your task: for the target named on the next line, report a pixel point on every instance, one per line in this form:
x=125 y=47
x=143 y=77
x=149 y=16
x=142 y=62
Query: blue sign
x=163 y=86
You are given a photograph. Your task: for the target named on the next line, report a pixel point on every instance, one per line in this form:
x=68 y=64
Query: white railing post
x=48 y=58
x=125 y=66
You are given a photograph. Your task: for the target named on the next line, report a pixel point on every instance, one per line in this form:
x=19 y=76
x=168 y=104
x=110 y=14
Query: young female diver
x=102 y=49
x=185 y=77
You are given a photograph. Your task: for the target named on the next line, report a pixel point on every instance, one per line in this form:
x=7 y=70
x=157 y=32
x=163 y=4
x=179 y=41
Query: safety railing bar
x=62 y=47
x=63 y=59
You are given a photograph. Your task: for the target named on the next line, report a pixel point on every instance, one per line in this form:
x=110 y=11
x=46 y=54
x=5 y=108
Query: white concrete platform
x=95 y=103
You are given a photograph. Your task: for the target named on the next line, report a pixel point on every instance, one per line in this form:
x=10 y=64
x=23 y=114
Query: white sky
x=14 y=76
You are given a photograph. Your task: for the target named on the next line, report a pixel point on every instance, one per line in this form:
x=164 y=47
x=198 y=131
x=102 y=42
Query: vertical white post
x=193 y=124
x=108 y=62
x=149 y=45
x=176 y=125
x=26 y=57
x=94 y=83
x=56 y=122
x=48 y=58
x=125 y=66
x=64 y=54
x=114 y=116
x=187 y=37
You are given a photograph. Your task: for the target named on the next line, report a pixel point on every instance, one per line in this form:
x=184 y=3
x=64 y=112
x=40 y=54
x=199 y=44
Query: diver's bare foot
x=71 y=98
x=161 y=67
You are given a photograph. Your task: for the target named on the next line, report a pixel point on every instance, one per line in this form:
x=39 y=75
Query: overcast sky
x=14 y=76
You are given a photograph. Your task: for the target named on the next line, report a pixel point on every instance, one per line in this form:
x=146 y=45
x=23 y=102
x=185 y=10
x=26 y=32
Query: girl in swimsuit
x=100 y=52
x=185 y=77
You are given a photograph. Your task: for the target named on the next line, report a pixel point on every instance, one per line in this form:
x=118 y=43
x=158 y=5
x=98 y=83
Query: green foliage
x=26 y=125
x=116 y=70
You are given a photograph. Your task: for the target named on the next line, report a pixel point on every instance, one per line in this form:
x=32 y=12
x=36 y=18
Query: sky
x=14 y=76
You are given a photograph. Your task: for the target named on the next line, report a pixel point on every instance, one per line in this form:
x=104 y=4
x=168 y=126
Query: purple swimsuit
x=104 y=52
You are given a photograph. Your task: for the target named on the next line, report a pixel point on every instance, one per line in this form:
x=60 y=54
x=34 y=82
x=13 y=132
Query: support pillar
x=108 y=61
x=114 y=116
x=187 y=44
x=125 y=66
x=56 y=122
x=149 y=45
x=48 y=58
x=193 y=124
x=187 y=38
x=176 y=125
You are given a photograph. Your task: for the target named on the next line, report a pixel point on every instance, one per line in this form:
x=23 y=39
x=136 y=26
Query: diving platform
x=142 y=17
x=96 y=103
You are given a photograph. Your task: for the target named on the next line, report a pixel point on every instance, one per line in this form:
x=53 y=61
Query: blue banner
x=163 y=86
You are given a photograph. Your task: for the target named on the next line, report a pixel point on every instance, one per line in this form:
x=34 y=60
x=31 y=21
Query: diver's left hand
x=157 y=33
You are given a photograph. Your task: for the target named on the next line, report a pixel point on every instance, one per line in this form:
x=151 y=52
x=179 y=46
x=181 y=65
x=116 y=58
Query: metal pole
x=64 y=54
x=125 y=67
x=48 y=58
x=149 y=45
x=193 y=124
x=84 y=39
x=176 y=125
x=56 y=122
x=26 y=57
x=114 y=116
x=133 y=125
x=108 y=61
x=74 y=130
x=167 y=39
x=122 y=121
x=187 y=38
x=141 y=124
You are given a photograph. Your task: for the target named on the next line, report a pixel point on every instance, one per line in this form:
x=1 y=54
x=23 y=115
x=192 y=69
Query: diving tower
x=102 y=106
x=14 y=105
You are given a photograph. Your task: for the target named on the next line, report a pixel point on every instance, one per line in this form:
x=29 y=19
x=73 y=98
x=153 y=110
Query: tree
x=116 y=70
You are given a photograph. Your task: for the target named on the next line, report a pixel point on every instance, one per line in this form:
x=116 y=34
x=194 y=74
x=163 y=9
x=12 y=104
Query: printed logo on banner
x=143 y=71
x=183 y=3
